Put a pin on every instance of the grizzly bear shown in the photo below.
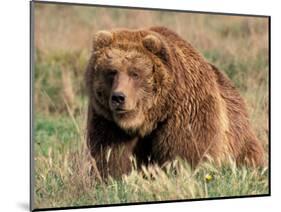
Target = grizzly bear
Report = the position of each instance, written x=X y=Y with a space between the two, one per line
x=153 y=97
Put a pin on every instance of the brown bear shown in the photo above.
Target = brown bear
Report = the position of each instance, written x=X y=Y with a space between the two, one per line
x=154 y=97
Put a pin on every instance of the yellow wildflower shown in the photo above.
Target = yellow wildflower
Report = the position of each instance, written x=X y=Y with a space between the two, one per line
x=208 y=177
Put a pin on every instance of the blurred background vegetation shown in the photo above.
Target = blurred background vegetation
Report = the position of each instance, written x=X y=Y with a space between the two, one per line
x=63 y=43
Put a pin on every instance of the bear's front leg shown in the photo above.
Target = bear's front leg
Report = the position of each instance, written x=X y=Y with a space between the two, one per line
x=111 y=148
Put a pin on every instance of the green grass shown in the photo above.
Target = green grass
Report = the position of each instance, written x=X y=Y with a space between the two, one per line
x=63 y=175
x=63 y=41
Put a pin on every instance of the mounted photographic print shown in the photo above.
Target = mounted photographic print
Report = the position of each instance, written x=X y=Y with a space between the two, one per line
x=139 y=105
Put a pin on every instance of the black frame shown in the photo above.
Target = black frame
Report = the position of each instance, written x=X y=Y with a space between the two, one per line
x=31 y=196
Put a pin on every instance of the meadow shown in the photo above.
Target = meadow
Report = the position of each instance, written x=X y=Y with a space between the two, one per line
x=62 y=45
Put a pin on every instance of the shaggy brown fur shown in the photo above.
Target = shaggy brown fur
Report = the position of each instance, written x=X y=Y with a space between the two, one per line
x=176 y=104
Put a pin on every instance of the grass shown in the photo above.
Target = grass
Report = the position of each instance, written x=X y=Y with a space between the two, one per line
x=63 y=175
x=63 y=34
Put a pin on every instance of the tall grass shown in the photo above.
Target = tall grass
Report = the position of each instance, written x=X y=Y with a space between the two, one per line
x=64 y=176
x=63 y=35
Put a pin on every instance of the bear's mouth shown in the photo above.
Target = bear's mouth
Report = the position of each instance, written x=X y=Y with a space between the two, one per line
x=121 y=111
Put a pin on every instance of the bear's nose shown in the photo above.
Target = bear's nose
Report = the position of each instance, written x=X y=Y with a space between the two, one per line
x=118 y=98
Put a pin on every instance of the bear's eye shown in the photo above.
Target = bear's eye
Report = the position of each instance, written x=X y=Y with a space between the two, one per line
x=111 y=73
x=134 y=75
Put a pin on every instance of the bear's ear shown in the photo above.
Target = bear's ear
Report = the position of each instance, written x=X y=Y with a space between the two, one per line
x=152 y=43
x=156 y=46
x=102 y=39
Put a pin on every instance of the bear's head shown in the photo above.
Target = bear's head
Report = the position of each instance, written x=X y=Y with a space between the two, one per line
x=128 y=77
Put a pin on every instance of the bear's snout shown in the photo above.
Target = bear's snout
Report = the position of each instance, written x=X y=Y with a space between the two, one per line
x=118 y=100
